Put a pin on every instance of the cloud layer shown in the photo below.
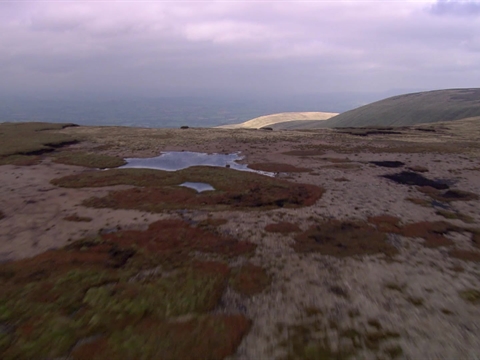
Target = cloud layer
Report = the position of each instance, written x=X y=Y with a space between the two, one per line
x=233 y=47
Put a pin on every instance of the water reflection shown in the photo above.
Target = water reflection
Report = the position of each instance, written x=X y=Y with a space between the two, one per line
x=178 y=160
x=200 y=187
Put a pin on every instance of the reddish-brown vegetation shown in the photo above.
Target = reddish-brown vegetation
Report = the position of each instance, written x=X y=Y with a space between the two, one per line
x=283 y=227
x=249 y=279
x=343 y=238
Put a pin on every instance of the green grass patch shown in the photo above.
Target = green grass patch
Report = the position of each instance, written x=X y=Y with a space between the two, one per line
x=31 y=138
x=455 y=216
x=89 y=160
x=470 y=295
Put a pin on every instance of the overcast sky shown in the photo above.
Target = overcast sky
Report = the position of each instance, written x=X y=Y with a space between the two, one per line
x=237 y=47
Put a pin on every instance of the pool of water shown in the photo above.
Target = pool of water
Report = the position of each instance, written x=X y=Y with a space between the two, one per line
x=178 y=160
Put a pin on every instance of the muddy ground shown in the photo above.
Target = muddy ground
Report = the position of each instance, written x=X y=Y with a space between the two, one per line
x=332 y=258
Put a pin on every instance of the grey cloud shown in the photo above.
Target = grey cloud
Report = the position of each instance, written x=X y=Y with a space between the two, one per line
x=456 y=8
x=194 y=47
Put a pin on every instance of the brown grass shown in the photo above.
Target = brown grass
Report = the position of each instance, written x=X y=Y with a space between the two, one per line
x=432 y=232
x=385 y=223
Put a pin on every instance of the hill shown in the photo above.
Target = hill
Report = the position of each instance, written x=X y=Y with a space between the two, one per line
x=404 y=110
x=272 y=119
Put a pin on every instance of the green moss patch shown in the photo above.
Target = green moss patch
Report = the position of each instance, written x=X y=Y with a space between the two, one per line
x=455 y=216
x=470 y=295
x=282 y=227
x=277 y=167
x=29 y=139
x=89 y=160
x=421 y=202
x=449 y=195
x=139 y=293
x=343 y=238
x=20 y=160
x=159 y=189
x=249 y=279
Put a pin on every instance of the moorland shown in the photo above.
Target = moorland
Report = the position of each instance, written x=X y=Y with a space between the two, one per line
x=364 y=244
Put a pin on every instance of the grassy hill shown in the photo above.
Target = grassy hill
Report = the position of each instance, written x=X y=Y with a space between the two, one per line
x=408 y=109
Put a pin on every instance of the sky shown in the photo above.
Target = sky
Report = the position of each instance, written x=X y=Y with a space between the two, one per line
x=170 y=48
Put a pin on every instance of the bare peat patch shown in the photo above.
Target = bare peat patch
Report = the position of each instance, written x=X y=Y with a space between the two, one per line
x=412 y=178
x=388 y=164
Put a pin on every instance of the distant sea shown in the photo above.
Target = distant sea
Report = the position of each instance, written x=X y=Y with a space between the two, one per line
x=168 y=112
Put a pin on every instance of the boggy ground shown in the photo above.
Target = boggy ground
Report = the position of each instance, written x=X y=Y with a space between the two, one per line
x=343 y=254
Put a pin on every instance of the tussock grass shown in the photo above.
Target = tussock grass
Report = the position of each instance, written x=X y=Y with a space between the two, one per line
x=32 y=138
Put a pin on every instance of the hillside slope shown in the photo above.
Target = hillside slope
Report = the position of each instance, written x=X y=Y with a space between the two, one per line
x=272 y=119
x=411 y=109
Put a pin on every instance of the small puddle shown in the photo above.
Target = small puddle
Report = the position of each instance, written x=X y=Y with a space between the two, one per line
x=178 y=160
x=200 y=187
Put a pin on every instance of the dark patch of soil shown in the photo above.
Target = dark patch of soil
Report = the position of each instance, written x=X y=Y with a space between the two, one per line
x=419 y=169
x=411 y=178
x=342 y=238
x=367 y=131
x=337 y=160
x=277 y=167
x=388 y=164
x=282 y=227
x=249 y=279
x=77 y=218
x=2 y=215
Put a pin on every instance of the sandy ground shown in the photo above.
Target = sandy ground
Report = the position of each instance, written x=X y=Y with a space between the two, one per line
x=415 y=296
